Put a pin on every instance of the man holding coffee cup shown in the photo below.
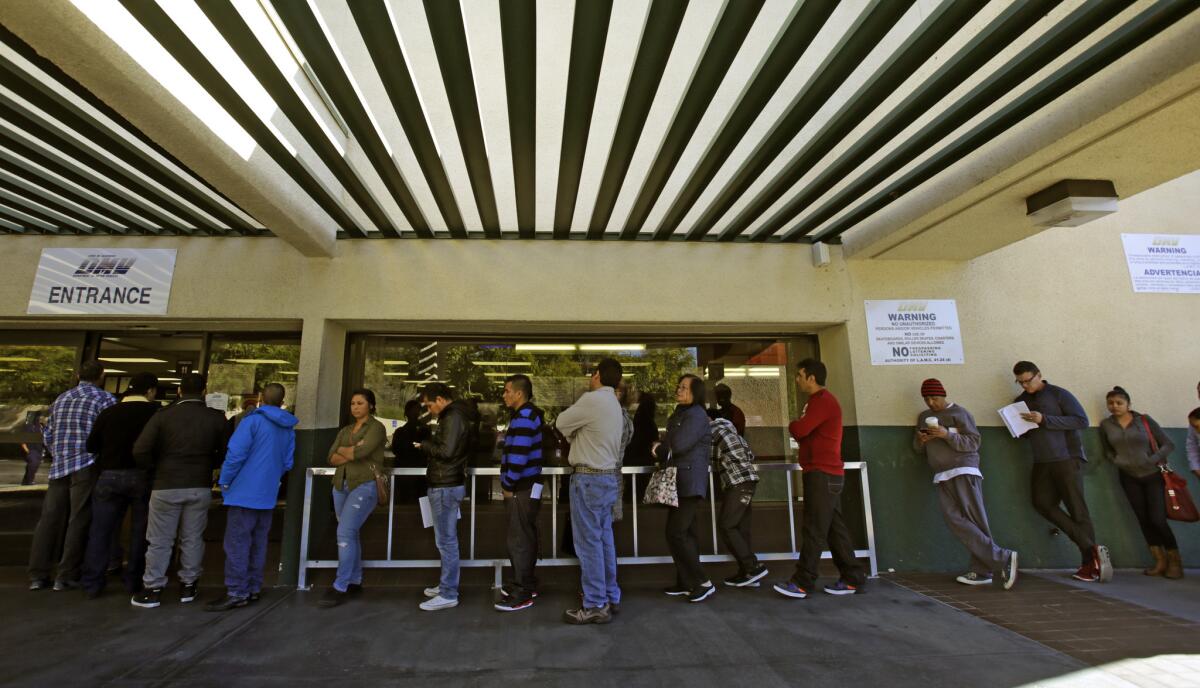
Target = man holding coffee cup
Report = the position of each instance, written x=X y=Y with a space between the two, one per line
x=947 y=436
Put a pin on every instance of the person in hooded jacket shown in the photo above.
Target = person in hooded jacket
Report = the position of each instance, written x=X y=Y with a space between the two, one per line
x=687 y=447
x=260 y=452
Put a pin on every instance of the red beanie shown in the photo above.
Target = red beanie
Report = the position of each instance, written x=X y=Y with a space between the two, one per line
x=932 y=388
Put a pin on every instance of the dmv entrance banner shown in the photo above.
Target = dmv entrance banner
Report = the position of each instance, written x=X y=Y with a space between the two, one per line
x=914 y=332
x=103 y=281
x=1163 y=263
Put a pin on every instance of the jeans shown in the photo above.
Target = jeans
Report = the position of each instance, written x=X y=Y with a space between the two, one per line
x=733 y=522
x=183 y=511
x=683 y=538
x=352 y=508
x=445 y=503
x=1148 y=502
x=33 y=459
x=66 y=508
x=823 y=523
x=115 y=492
x=592 y=498
x=523 y=540
x=245 y=549
x=1062 y=481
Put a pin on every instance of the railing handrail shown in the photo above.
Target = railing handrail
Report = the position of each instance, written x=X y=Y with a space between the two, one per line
x=568 y=470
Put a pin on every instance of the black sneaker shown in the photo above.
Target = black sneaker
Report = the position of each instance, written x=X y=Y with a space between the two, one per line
x=226 y=603
x=254 y=597
x=147 y=599
x=332 y=598
x=677 y=590
x=40 y=584
x=187 y=592
x=354 y=589
x=513 y=604
x=61 y=585
x=702 y=593
x=748 y=580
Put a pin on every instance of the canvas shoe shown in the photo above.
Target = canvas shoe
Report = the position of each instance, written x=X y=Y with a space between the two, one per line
x=1008 y=575
x=790 y=589
x=432 y=592
x=1104 y=569
x=147 y=599
x=40 y=584
x=841 y=588
x=972 y=578
x=433 y=604
x=588 y=615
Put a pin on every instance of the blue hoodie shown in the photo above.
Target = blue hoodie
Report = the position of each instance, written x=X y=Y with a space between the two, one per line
x=260 y=452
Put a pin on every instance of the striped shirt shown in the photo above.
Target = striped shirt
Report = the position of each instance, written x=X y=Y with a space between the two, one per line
x=731 y=455
x=71 y=417
x=521 y=463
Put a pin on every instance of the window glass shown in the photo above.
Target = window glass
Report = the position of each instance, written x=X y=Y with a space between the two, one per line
x=241 y=365
x=34 y=370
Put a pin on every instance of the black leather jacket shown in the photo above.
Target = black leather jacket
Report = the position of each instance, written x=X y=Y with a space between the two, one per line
x=450 y=446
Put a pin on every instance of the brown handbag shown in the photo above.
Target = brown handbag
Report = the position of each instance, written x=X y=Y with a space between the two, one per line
x=383 y=486
x=1180 y=505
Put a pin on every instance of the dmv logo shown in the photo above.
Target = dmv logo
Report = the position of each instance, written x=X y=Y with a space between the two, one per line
x=104 y=265
x=1166 y=241
x=919 y=307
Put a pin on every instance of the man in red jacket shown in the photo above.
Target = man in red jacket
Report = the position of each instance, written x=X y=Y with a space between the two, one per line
x=818 y=431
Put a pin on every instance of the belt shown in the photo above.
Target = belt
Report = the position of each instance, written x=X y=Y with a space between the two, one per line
x=596 y=471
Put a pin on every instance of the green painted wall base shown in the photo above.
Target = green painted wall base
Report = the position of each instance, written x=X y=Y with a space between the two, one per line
x=910 y=534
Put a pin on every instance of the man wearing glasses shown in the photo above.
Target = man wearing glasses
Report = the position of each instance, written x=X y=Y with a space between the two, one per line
x=1058 y=458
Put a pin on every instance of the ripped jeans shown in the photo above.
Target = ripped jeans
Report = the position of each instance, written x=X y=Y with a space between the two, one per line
x=352 y=507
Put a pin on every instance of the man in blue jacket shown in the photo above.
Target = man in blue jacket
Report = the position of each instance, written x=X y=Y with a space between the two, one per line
x=260 y=452
x=1057 y=475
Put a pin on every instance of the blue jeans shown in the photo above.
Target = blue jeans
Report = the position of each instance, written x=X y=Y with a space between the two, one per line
x=444 y=502
x=245 y=549
x=592 y=499
x=352 y=507
x=115 y=492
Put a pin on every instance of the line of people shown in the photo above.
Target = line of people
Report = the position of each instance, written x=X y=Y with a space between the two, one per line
x=156 y=463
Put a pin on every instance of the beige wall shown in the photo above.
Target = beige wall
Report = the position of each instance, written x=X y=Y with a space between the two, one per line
x=1061 y=299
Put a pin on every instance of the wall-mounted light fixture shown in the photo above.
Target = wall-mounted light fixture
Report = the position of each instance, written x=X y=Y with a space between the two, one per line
x=1072 y=202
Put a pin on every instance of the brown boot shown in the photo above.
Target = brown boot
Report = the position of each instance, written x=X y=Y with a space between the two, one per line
x=1160 y=561
x=1174 y=564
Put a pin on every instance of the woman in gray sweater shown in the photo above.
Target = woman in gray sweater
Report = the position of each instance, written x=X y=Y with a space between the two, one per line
x=1137 y=445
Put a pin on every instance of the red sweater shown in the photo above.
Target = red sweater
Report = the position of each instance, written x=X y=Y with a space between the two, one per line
x=819 y=434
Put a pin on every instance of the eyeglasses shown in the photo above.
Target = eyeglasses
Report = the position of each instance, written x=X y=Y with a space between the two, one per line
x=1027 y=381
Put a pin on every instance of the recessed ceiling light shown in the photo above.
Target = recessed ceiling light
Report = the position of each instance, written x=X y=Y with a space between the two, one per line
x=545 y=347
x=502 y=363
x=612 y=347
x=131 y=360
x=289 y=372
x=18 y=359
x=112 y=370
x=257 y=361
x=395 y=362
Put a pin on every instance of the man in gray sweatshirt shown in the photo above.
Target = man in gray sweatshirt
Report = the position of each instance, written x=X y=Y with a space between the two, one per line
x=947 y=436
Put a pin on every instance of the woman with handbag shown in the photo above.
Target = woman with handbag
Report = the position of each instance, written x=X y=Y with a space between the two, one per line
x=1138 y=446
x=357 y=453
x=687 y=447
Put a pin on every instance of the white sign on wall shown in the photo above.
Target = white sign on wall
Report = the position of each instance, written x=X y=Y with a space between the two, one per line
x=110 y=281
x=1163 y=263
x=914 y=332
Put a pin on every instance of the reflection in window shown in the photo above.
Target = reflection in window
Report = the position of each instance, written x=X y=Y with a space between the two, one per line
x=31 y=377
x=240 y=367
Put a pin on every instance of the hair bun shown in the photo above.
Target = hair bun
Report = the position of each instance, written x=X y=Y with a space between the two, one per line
x=1119 y=388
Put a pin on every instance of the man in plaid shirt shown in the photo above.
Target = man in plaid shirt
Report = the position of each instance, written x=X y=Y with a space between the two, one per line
x=734 y=463
x=67 y=505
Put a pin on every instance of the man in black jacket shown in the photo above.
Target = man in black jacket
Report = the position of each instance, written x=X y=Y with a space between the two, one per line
x=121 y=485
x=183 y=444
x=446 y=452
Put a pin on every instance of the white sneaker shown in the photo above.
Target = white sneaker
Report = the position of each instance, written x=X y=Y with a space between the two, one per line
x=433 y=592
x=972 y=578
x=438 y=602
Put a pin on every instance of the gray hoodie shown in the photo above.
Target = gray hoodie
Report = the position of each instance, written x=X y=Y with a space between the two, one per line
x=960 y=449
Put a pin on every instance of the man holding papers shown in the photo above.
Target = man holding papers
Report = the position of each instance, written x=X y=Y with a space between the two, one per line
x=947 y=436
x=1057 y=476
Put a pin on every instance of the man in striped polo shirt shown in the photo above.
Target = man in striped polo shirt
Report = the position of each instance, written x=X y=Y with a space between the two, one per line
x=520 y=479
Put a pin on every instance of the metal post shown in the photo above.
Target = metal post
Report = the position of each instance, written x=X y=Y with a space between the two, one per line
x=712 y=502
x=472 y=515
x=866 y=490
x=791 y=510
x=554 y=517
x=391 y=512
x=305 y=522
x=633 y=486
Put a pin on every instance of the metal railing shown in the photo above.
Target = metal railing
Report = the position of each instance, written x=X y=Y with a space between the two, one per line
x=555 y=559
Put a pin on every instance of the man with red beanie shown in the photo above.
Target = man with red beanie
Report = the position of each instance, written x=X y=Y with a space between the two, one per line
x=818 y=431
x=947 y=436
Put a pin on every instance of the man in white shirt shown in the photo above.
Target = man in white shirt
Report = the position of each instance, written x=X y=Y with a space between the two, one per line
x=593 y=425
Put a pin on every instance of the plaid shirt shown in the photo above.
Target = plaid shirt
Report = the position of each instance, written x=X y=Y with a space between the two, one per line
x=731 y=455
x=71 y=418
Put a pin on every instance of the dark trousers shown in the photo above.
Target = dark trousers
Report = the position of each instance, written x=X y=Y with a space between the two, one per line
x=33 y=459
x=683 y=538
x=115 y=493
x=1062 y=482
x=734 y=524
x=1149 y=504
x=245 y=549
x=67 y=509
x=523 y=513
x=823 y=523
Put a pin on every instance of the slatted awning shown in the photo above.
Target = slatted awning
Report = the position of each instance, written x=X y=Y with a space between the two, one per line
x=746 y=120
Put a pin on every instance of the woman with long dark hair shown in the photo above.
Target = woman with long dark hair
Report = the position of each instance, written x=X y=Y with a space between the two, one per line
x=687 y=447
x=357 y=453
x=1137 y=445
